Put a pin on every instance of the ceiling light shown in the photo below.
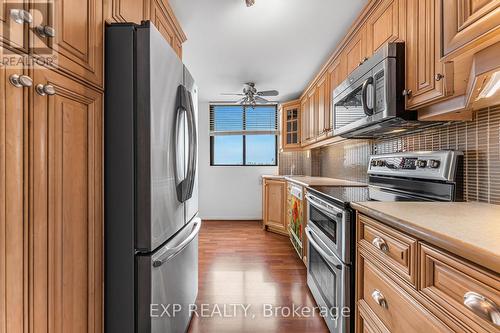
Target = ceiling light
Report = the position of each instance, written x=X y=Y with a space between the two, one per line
x=250 y=3
x=491 y=87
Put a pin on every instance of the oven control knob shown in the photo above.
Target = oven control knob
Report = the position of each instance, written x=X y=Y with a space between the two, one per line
x=374 y=163
x=421 y=163
x=380 y=163
x=434 y=164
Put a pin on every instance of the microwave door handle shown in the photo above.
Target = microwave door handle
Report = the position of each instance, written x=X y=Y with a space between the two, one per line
x=364 y=96
x=329 y=258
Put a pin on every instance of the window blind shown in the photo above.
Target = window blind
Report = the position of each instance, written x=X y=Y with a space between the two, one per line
x=243 y=120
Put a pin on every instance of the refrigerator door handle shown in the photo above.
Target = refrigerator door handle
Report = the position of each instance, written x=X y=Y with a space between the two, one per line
x=182 y=113
x=169 y=253
x=193 y=146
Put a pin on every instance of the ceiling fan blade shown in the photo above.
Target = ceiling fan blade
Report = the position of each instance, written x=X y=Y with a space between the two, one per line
x=230 y=94
x=261 y=100
x=268 y=93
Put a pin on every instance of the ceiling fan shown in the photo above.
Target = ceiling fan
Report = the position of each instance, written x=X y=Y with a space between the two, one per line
x=252 y=97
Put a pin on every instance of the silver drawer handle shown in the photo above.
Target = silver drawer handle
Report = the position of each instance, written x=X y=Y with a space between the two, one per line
x=20 y=80
x=483 y=307
x=379 y=298
x=21 y=16
x=380 y=244
x=45 y=89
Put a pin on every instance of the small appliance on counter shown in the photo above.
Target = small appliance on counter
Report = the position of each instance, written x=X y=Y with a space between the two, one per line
x=151 y=189
x=411 y=176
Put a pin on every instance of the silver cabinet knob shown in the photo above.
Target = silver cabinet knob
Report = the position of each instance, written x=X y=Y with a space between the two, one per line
x=438 y=76
x=379 y=298
x=407 y=92
x=45 y=31
x=483 y=307
x=20 y=80
x=21 y=16
x=380 y=244
x=45 y=89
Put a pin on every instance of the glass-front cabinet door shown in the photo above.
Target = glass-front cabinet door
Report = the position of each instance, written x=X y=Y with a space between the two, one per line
x=290 y=127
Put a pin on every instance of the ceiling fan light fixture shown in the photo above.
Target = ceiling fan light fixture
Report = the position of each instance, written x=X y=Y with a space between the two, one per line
x=250 y=3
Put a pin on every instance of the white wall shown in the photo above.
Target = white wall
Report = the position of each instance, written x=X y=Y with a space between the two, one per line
x=227 y=193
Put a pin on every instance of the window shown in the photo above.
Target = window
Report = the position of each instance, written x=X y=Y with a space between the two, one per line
x=243 y=135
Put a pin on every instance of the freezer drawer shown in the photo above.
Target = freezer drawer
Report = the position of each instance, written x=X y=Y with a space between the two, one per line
x=167 y=283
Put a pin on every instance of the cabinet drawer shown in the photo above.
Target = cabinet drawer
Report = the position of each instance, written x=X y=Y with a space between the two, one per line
x=450 y=282
x=392 y=247
x=392 y=305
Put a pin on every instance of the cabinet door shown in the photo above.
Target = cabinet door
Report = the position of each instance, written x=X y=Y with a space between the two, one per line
x=427 y=78
x=78 y=40
x=13 y=34
x=354 y=53
x=385 y=25
x=275 y=204
x=165 y=26
x=291 y=126
x=469 y=23
x=13 y=222
x=323 y=102
x=126 y=10
x=66 y=209
x=304 y=124
x=313 y=115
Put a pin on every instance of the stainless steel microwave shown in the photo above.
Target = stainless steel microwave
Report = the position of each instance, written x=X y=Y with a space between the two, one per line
x=370 y=102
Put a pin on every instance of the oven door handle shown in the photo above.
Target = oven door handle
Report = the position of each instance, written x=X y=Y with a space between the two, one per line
x=330 y=258
x=364 y=94
x=328 y=210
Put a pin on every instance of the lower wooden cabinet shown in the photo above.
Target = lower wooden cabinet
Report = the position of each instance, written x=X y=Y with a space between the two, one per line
x=66 y=208
x=452 y=294
x=274 y=206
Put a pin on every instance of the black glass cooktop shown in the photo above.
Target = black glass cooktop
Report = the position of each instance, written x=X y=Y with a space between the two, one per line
x=343 y=195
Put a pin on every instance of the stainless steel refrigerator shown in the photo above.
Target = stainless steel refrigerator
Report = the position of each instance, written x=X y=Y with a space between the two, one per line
x=151 y=183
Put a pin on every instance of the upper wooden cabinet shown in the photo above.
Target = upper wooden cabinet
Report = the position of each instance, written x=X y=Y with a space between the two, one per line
x=386 y=24
x=162 y=18
x=304 y=120
x=14 y=34
x=428 y=79
x=66 y=206
x=354 y=53
x=78 y=37
x=323 y=100
x=290 y=117
x=126 y=10
x=469 y=23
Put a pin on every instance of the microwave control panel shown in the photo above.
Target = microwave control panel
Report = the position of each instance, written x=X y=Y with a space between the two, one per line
x=379 y=92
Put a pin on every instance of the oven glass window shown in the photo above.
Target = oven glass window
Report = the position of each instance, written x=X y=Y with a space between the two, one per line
x=325 y=278
x=325 y=223
x=349 y=109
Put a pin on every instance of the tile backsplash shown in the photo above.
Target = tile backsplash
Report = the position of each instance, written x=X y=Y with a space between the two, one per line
x=478 y=139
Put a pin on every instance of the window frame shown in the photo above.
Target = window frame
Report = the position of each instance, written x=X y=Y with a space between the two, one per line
x=244 y=163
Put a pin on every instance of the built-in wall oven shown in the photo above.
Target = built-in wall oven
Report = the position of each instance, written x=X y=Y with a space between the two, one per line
x=329 y=270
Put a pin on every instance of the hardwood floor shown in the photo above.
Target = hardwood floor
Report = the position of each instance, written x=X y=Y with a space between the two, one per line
x=242 y=264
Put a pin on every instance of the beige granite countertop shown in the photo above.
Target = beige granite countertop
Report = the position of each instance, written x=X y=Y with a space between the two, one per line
x=468 y=229
x=315 y=181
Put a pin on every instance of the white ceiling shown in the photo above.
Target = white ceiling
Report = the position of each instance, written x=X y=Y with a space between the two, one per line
x=278 y=44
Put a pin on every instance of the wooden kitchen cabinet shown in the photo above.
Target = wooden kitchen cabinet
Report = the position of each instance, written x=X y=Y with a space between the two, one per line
x=290 y=125
x=13 y=221
x=78 y=40
x=66 y=209
x=469 y=24
x=163 y=19
x=274 y=206
x=428 y=79
x=355 y=53
x=385 y=25
x=323 y=108
x=14 y=35
x=126 y=10
x=405 y=285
